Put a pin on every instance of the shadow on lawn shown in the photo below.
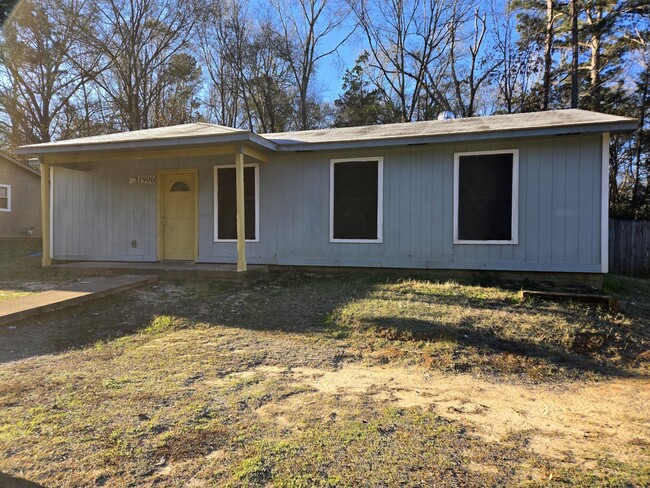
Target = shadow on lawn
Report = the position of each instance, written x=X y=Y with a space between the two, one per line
x=7 y=481
x=290 y=306
x=490 y=346
x=293 y=305
x=73 y=328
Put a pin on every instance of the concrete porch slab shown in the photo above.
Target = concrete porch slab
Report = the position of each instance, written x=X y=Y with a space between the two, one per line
x=167 y=269
x=66 y=296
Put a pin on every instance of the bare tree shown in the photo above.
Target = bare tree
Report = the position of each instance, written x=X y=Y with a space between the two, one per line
x=643 y=48
x=251 y=81
x=178 y=101
x=137 y=39
x=470 y=66
x=38 y=75
x=222 y=35
x=304 y=25
x=405 y=39
x=514 y=72
x=268 y=82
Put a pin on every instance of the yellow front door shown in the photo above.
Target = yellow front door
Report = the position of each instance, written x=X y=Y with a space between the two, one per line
x=178 y=215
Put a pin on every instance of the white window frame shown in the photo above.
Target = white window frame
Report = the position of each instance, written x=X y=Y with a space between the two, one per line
x=380 y=200
x=8 y=209
x=515 y=195
x=216 y=201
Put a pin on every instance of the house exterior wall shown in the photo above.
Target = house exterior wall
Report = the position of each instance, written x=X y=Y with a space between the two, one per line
x=97 y=214
x=25 y=202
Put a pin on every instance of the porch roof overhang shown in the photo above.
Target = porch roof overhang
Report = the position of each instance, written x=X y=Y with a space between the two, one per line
x=183 y=140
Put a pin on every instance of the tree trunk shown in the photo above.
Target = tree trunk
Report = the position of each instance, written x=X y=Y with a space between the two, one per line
x=574 y=54
x=639 y=146
x=595 y=17
x=548 y=51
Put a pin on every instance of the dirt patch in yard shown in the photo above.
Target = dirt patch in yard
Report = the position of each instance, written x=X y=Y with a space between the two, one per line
x=569 y=421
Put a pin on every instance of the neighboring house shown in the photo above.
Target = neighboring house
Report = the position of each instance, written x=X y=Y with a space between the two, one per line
x=20 y=199
x=525 y=192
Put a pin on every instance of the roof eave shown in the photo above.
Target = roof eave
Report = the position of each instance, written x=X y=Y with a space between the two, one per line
x=615 y=127
x=20 y=165
x=238 y=138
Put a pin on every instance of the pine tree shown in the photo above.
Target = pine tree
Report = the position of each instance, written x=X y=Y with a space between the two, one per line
x=360 y=105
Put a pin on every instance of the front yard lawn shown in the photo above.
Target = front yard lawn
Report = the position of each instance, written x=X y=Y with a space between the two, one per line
x=329 y=381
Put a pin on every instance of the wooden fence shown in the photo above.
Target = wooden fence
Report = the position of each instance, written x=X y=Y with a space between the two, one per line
x=629 y=247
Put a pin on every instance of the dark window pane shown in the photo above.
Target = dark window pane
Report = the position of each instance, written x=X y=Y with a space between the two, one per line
x=227 y=203
x=485 y=197
x=355 y=200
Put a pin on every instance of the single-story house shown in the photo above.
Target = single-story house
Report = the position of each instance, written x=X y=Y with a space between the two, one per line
x=524 y=192
x=20 y=200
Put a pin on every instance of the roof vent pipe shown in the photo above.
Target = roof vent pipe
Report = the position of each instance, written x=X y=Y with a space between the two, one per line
x=446 y=115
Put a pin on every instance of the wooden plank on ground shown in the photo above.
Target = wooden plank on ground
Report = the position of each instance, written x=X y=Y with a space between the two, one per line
x=604 y=301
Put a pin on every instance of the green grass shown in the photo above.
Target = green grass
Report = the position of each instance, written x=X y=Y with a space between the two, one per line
x=9 y=294
x=489 y=330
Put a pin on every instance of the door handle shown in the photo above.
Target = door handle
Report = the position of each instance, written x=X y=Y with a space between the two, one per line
x=163 y=221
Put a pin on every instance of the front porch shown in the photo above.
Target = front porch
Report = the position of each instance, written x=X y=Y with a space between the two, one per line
x=176 y=236
x=168 y=269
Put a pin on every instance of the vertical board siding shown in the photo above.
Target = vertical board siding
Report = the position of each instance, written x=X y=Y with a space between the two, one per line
x=558 y=226
x=530 y=204
x=98 y=213
x=545 y=202
x=572 y=200
x=586 y=202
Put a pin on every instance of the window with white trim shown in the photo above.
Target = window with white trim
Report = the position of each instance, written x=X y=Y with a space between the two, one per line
x=356 y=188
x=5 y=198
x=486 y=197
x=225 y=203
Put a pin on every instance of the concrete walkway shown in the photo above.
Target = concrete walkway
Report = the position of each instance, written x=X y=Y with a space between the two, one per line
x=73 y=294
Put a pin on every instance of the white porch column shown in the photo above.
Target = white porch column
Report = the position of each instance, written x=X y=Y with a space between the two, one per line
x=45 y=213
x=241 y=221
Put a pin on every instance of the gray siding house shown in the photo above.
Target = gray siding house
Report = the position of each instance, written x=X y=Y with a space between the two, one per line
x=524 y=192
x=20 y=200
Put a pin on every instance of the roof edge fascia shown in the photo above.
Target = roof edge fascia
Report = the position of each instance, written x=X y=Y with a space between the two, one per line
x=599 y=128
x=179 y=142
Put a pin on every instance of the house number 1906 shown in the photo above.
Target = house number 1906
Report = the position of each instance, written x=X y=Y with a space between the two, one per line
x=142 y=179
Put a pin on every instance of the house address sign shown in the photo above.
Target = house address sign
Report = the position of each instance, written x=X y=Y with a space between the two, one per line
x=142 y=179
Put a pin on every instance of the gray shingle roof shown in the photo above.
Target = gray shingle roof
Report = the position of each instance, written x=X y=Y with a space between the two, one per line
x=475 y=128
x=557 y=119
x=198 y=129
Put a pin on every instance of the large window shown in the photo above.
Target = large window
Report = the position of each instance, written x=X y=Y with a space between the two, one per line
x=485 y=197
x=5 y=198
x=225 y=203
x=356 y=200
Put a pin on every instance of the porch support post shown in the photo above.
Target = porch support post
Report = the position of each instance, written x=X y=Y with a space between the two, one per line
x=45 y=213
x=241 y=221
